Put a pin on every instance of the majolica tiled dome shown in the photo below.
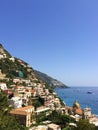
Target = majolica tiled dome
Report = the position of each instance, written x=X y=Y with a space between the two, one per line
x=76 y=105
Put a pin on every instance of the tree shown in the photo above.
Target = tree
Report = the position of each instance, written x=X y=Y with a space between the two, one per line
x=60 y=119
x=7 y=122
x=84 y=125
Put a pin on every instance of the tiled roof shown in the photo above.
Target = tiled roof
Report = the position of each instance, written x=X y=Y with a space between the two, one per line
x=24 y=108
x=33 y=90
x=17 y=112
x=79 y=111
x=21 y=110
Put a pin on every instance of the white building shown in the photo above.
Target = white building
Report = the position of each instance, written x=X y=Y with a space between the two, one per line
x=40 y=127
x=16 y=102
x=1 y=56
x=87 y=112
x=47 y=110
x=54 y=127
x=12 y=59
x=3 y=86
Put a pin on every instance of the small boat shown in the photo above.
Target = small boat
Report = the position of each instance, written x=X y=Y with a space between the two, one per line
x=89 y=92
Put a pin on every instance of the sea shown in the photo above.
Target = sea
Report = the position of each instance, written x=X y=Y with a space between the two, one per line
x=86 y=97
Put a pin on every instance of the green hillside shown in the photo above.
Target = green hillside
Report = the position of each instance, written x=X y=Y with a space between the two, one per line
x=14 y=67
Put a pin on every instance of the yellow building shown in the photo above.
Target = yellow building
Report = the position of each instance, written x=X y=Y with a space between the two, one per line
x=23 y=115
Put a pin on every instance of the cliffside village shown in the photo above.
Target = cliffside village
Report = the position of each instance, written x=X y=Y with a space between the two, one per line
x=19 y=98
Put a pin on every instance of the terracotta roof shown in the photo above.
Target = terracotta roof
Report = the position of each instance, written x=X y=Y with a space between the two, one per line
x=79 y=111
x=20 y=61
x=67 y=108
x=24 y=108
x=26 y=90
x=21 y=111
x=33 y=90
x=17 y=112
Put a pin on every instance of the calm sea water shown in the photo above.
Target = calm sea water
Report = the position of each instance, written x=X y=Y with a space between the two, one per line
x=69 y=95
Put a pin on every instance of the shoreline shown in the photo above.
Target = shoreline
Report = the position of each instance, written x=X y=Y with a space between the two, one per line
x=69 y=99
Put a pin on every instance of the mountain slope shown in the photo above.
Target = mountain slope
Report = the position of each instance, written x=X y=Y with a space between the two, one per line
x=4 y=52
x=49 y=80
x=11 y=67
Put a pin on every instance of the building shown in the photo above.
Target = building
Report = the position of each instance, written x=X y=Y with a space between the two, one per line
x=16 y=80
x=40 y=127
x=77 y=109
x=23 y=115
x=54 y=127
x=76 y=105
x=94 y=120
x=79 y=112
x=16 y=102
x=12 y=59
x=42 y=109
x=87 y=113
x=57 y=102
x=2 y=56
x=3 y=86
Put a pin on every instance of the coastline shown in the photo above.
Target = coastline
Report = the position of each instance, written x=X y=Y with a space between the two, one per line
x=79 y=93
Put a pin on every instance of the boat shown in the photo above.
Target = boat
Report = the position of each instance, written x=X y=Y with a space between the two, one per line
x=89 y=92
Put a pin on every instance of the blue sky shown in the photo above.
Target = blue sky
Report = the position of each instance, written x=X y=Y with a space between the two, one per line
x=57 y=37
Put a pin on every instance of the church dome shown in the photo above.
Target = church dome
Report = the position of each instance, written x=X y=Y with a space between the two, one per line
x=76 y=105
